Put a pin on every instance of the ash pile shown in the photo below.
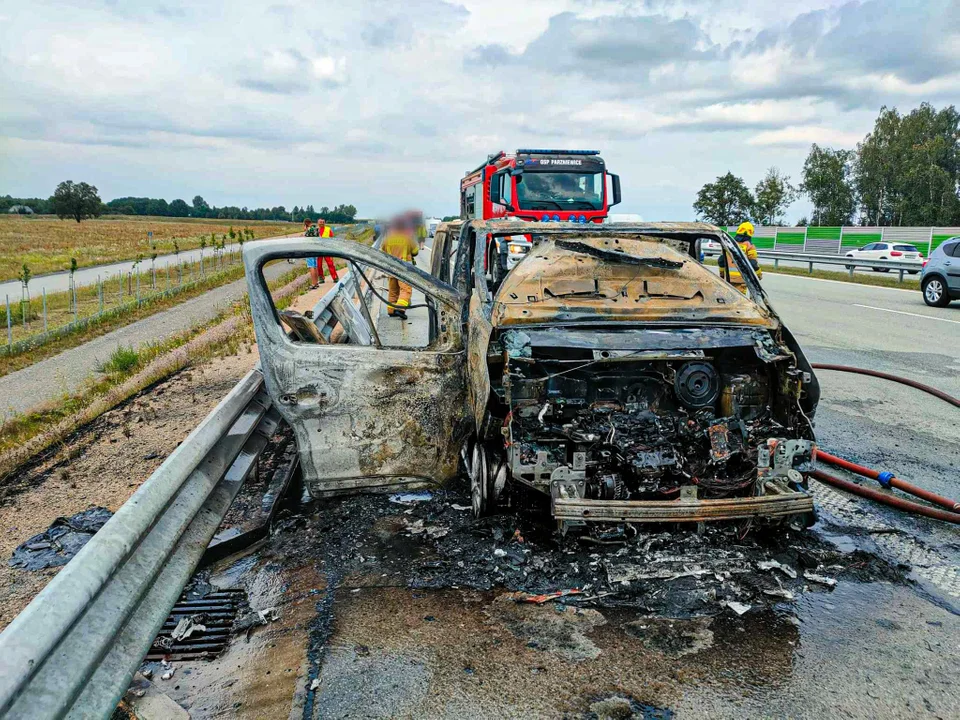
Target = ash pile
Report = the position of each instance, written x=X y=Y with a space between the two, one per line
x=431 y=541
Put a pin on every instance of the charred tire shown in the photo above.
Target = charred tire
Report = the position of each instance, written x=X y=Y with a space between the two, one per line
x=497 y=273
x=482 y=497
x=934 y=290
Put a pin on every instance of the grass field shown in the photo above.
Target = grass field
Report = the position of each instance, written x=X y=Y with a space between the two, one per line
x=46 y=244
x=118 y=305
x=120 y=309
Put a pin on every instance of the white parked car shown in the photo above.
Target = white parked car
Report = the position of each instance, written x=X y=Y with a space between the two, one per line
x=710 y=247
x=900 y=252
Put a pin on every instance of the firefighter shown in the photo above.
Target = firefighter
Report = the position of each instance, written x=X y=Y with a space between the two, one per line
x=401 y=242
x=744 y=239
x=316 y=269
x=325 y=232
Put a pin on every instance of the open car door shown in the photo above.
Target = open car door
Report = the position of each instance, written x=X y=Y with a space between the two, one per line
x=370 y=410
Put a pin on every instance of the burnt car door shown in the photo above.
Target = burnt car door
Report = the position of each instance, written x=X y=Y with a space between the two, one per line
x=367 y=413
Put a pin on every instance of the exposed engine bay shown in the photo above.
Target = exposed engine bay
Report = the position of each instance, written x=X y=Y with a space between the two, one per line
x=661 y=415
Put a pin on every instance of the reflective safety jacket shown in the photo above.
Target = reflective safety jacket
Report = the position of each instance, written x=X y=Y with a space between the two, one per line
x=750 y=250
x=401 y=246
x=313 y=231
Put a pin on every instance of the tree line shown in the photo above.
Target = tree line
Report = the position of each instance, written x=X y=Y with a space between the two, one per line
x=905 y=172
x=79 y=201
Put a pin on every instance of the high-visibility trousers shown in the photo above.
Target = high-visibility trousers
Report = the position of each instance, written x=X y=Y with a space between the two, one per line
x=399 y=295
x=330 y=267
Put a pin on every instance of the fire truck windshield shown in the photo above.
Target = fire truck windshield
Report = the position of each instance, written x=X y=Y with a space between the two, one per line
x=560 y=191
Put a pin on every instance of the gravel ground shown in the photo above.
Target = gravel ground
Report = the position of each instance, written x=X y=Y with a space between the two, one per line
x=86 y=469
x=50 y=379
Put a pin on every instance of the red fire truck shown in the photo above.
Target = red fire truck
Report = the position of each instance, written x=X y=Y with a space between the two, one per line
x=540 y=185
x=536 y=185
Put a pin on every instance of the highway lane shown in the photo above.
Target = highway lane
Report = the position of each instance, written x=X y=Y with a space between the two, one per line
x=862 y=323
x=882 y=424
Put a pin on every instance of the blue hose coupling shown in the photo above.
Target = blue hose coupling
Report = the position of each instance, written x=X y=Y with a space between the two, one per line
x=884 y=478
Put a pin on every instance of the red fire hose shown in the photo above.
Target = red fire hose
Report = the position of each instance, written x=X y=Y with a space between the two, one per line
x=888 y=479
x=880 y=497
x=894 y=378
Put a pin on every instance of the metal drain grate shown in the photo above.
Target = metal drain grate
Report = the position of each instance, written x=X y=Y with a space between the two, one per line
x=204 y=626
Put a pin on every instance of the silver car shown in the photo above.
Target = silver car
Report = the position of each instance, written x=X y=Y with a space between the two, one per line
x=940 y=280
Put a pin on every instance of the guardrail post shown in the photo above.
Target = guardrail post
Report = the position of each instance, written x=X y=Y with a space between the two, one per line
x=901 y=276
x=852 y=268
x=776 y=263
x=811 y=267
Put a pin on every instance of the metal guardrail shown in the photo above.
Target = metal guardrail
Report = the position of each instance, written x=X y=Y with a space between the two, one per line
x=73 y=651
x=849 y=263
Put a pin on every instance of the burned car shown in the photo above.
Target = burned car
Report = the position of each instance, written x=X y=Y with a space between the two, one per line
x=609 y=371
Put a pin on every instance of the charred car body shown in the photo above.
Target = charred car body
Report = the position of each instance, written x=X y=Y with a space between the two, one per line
x=609 y=370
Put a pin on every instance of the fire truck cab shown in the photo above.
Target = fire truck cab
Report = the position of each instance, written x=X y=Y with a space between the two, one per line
x=536 y=185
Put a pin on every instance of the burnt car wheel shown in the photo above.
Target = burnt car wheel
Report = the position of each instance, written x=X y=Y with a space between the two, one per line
x=481 y=498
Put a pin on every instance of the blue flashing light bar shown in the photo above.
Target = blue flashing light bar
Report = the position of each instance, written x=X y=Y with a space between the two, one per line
x=541 y=151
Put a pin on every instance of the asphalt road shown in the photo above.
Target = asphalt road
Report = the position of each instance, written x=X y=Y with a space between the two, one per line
x=868 y=650
x=377 y=647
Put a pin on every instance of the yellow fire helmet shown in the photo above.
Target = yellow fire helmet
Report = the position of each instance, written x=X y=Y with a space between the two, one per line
x=746 y=228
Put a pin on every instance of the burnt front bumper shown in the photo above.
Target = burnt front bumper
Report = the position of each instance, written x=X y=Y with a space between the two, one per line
x=682 y=510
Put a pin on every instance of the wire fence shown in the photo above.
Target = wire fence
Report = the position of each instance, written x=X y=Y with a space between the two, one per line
x=33 y=319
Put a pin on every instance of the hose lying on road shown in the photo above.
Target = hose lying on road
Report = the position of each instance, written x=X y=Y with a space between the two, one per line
x=888 y=479
x=881 y=497
x=894 y=378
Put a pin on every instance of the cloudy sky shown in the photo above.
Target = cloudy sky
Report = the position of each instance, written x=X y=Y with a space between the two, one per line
x=385 y=104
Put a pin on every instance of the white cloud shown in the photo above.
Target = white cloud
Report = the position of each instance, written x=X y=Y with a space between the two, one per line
x=804 y=136
x=379 y=104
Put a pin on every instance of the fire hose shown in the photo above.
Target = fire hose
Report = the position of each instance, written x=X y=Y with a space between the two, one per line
x=888 y=480
x=884 y=498
x=885 y=478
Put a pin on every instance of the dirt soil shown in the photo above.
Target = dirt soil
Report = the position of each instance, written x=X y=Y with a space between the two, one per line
x=104 y=463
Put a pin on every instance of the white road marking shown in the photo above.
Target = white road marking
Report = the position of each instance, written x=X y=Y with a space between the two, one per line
x=901 y=312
